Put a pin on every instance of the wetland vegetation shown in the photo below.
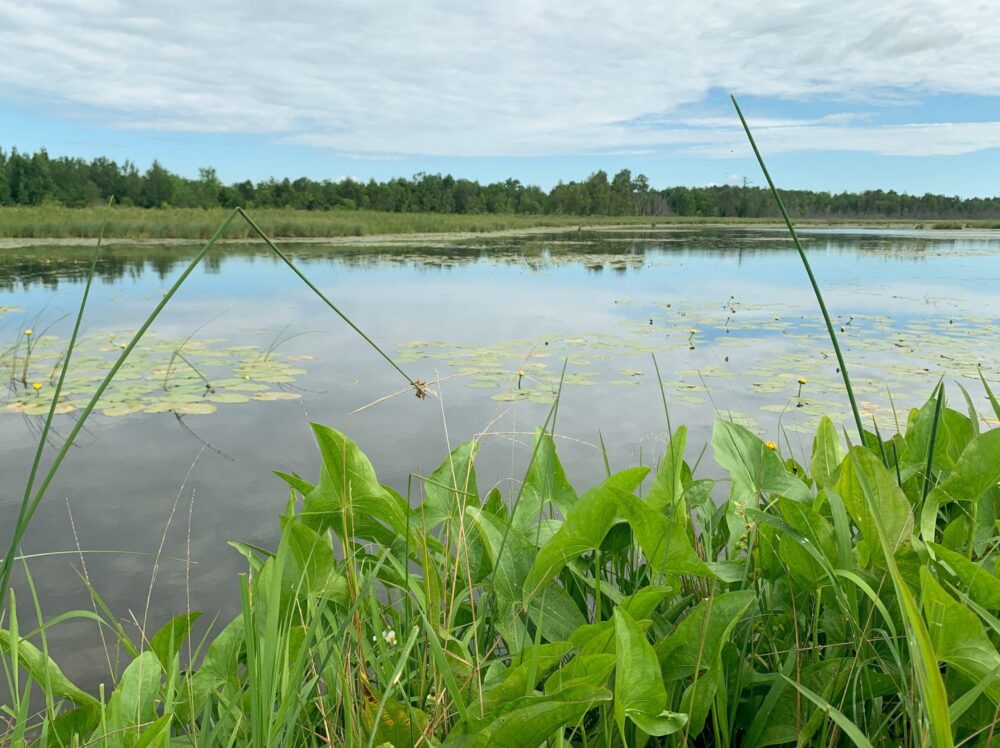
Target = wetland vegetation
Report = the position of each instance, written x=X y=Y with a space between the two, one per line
x=811 y=568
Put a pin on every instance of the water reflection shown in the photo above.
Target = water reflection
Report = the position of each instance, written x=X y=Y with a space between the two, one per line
x=603 y=301
x=49 y=266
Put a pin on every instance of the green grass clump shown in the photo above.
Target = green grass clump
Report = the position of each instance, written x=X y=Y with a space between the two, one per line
x=56 y=222
x=805 y=606
x=194 y=224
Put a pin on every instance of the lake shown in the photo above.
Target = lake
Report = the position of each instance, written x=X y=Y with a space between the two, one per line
x=222 y=390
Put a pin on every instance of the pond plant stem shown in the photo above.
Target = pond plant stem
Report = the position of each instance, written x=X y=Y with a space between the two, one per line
x=809 y=272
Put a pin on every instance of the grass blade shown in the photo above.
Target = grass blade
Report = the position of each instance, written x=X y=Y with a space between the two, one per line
x=809 y=272
x=849 y=728
x=25 y=511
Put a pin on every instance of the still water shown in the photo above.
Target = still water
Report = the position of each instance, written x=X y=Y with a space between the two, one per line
x=222 y=390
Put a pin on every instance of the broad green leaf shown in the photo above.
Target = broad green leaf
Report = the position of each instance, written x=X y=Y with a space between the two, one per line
x=44 y=670
x=529 y=720
x=668 y=485
x=664 y=542
x=664 y=723
x=218 y=670
x=515 y=554
x=349 y=493
x=167 y=642
x=452 y=485
x=583 y=529
x=311 y=570
x=495 y=505
x=976 y=471
x=983 y=586
x=555 y=613
x=954 y=431
x=599 y=638
x=132 y=706
x=753 y=468
x=300 y=485
x=698 y=640
x=638 y=683
x=815 y=530
x=827 y=454
x=527 y=668
x=583 y=669
x=74 y=724
x=958 y=636
x=887 y=499
x=544 y=483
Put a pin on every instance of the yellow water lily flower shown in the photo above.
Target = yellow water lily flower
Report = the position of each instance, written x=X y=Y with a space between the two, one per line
x=28 y=332
x=771 y=445
x=692 y=331
x=520 y=372
x=802 y=380
x=37 y=386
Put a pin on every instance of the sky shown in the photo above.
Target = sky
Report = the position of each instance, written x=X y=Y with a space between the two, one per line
x=844 y=95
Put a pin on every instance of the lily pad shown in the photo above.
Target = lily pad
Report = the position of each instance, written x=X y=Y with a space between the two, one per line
x=271 y=396
x=189 y=376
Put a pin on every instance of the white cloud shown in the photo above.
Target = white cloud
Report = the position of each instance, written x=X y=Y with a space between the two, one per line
x=513 y=78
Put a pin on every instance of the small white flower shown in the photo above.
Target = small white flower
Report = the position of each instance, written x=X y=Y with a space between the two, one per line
x=390 y=637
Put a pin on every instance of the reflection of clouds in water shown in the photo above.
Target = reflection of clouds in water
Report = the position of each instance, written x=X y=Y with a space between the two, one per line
x=486 y=309
x=595 y=248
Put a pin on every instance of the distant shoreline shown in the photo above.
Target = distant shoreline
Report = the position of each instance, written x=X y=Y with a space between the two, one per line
x=27 y=227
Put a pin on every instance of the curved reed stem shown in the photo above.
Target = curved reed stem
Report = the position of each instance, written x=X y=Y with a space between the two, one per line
x=809 y=272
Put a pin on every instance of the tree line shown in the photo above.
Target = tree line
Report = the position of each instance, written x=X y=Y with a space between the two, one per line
x=37 y=179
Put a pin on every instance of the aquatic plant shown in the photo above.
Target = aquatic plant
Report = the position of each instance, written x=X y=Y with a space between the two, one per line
x=809 y=604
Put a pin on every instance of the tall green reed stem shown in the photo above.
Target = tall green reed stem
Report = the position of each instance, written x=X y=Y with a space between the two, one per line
x=29 y=502
x=26 y=510
x=267 y=240
x=809 y=272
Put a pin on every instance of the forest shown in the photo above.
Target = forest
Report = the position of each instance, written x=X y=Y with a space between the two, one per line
x=38 y=179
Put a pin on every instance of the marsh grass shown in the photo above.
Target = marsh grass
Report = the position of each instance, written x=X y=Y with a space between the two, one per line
x=193 y=224
x=54 y=222
x=847 y=595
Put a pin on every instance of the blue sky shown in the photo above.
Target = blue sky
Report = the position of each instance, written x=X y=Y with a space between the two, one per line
x=845 y=96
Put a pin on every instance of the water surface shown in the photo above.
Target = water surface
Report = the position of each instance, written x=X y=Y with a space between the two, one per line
x=913 y=306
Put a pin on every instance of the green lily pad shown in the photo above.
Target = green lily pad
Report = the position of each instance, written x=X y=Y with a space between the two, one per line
x=227 y=397
x=271 y=396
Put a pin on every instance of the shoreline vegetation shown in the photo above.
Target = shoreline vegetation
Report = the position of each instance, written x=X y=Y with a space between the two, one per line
x=28 y=225
x=808 y=606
